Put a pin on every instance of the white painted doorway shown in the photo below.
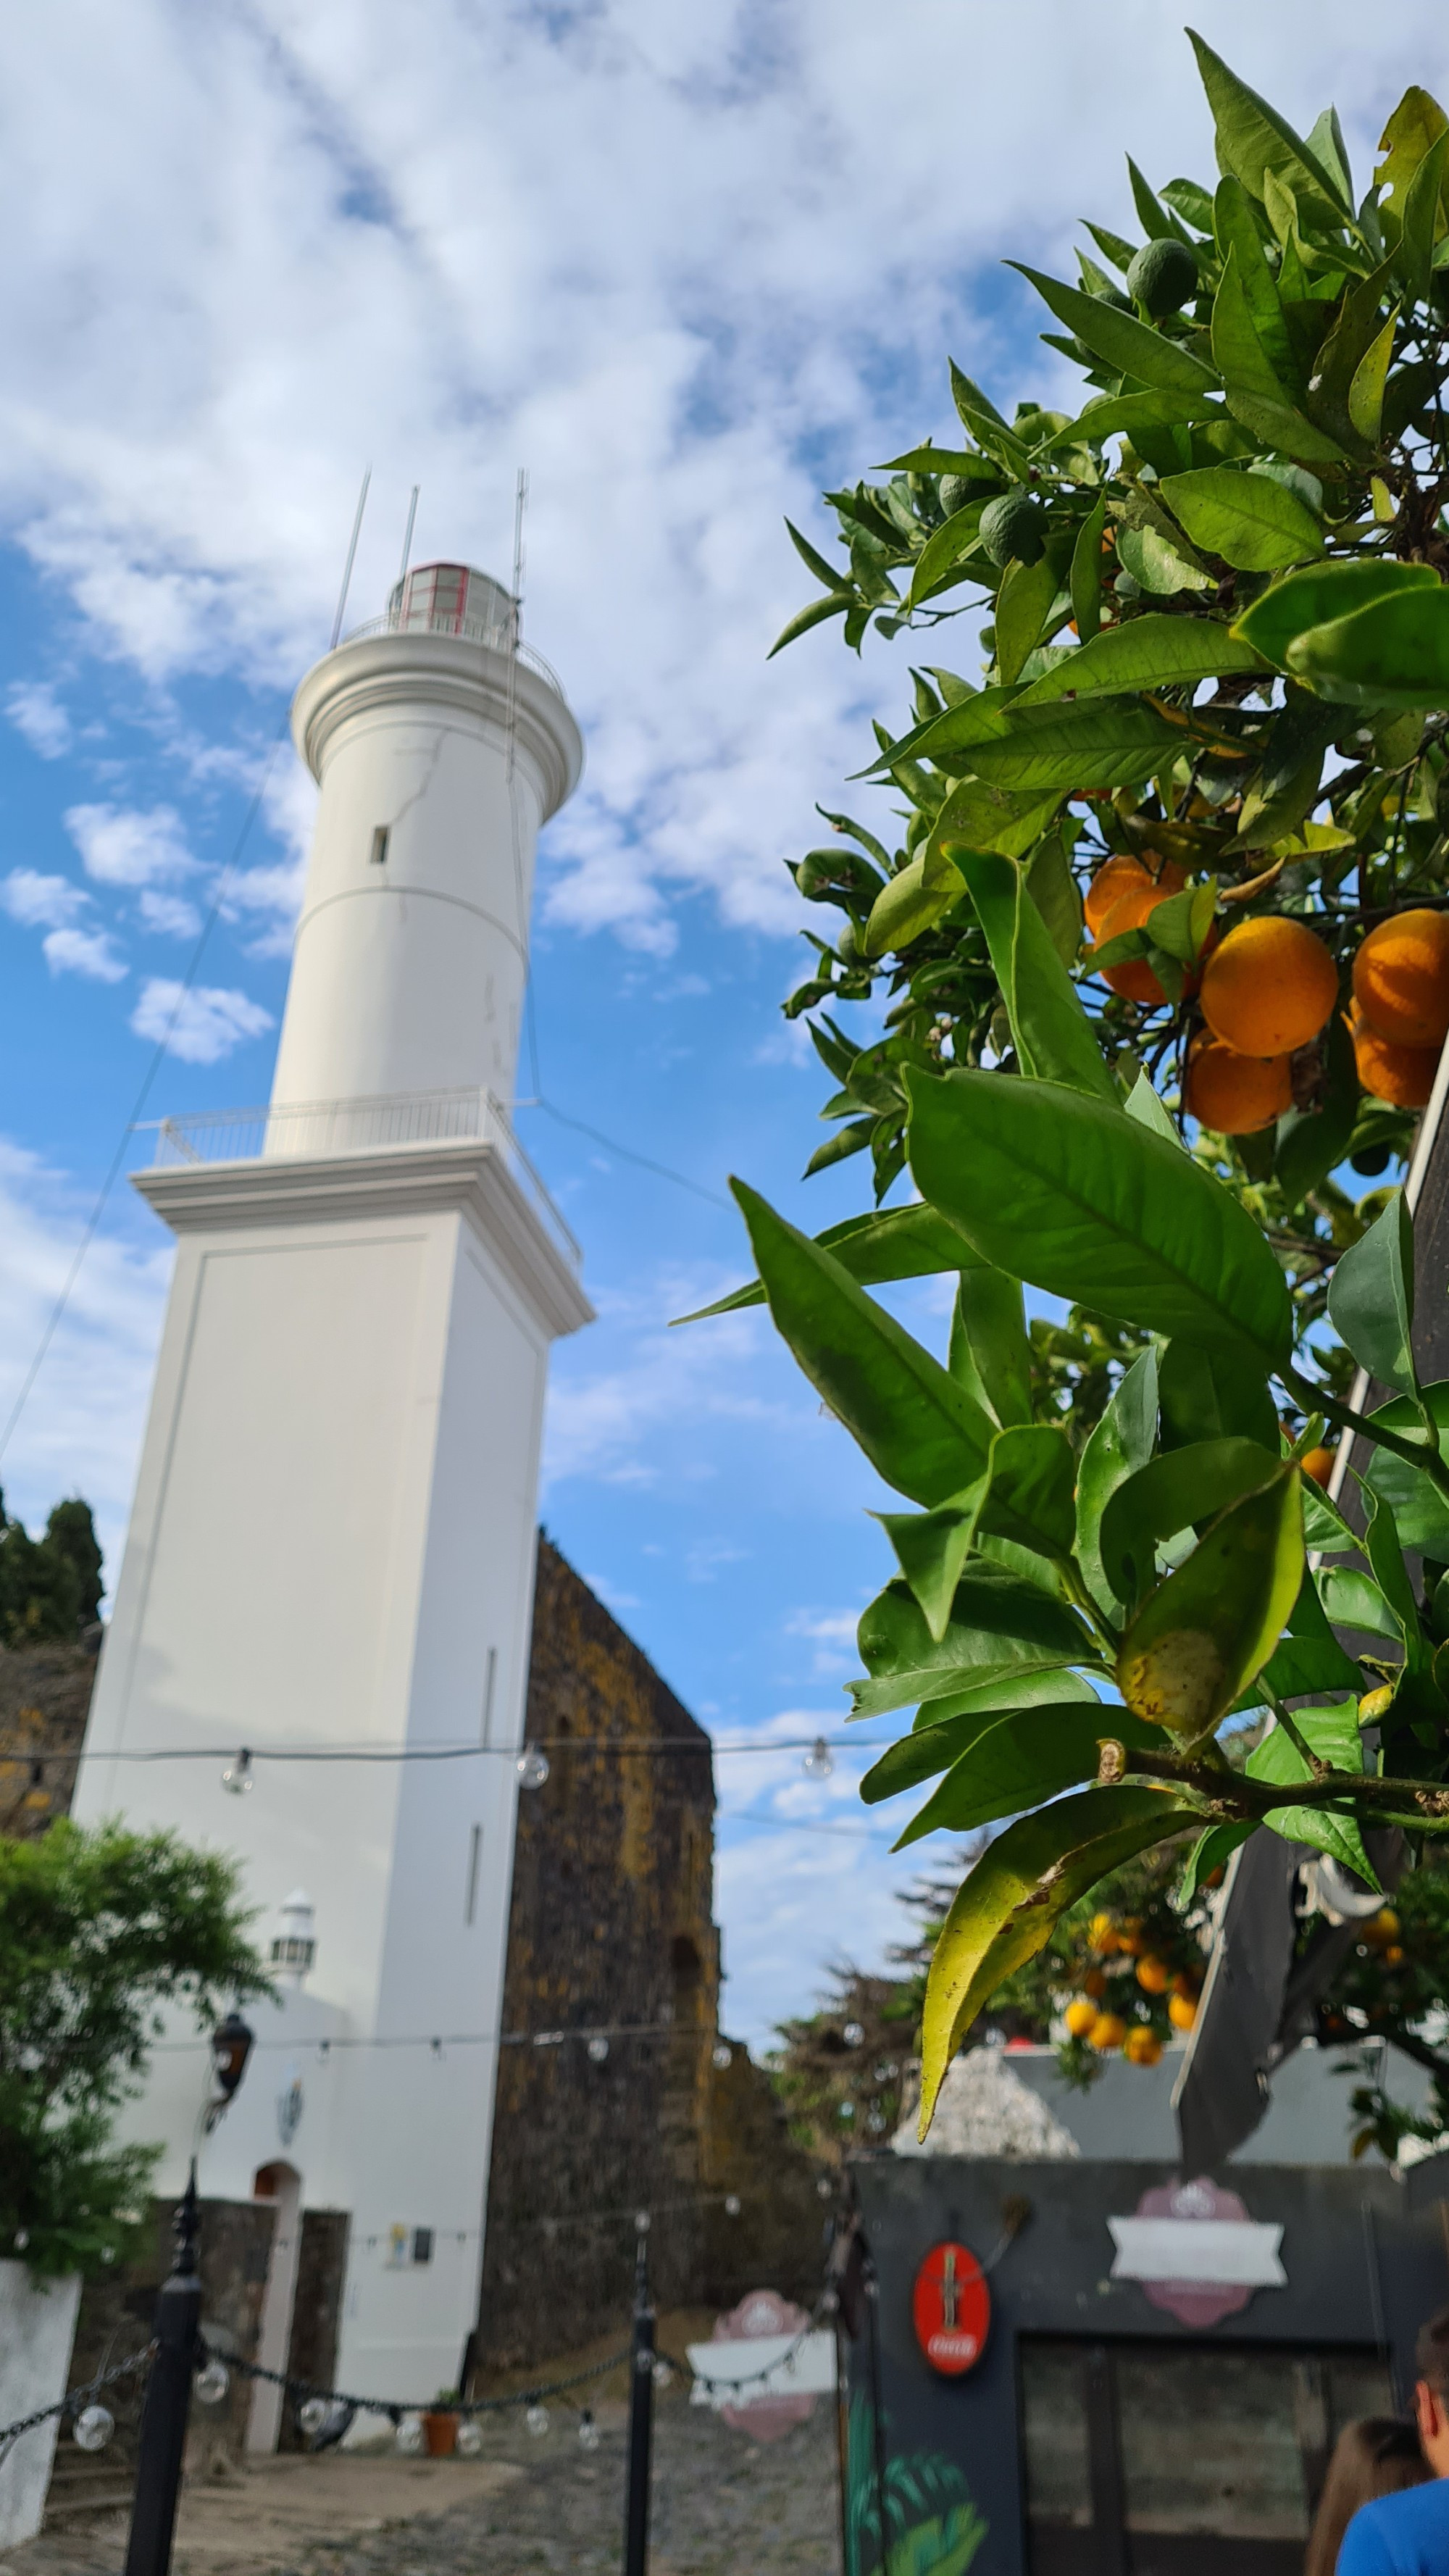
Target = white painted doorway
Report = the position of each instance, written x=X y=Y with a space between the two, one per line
x=282 y=2185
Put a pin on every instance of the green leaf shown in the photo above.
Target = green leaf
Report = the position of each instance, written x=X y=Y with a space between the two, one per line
x=977 y=817
x=1332 y=1734
x=1384 y=1550
x=1394 y=653
x=853 y=1138
x=990 y=1353
x=1016 y=1761
x=929 y=459
x=1085 y=579
x=1056 y=894
x=1322 y=593
x=1252 y=139
x=1013 y=1896
x=908 y=906
x=1001 y=1628
x=1086 y=1204
x=919 y=1429
x=1354 y=1601
x=1324 y=1527
x=1120 y=1444
x=1144 y=1105
x=1129 y=347
x=1213 y=1850
x=1025 y=1496
x=1156 y=565
x=933 y=1745
x=1236 y=228
x=1151 y=651
x=889 y=1243
x=1130 y=415
x=1371 y=1300
x=942 y=558
x=1175 y=1492
x=1207 y=1394
x=1181 y=922
x=1366 y=391
x=1105 y=743
x=1412 y=131
x=1424 y=221
x=1022 y=605
x=813 y=614
x=1208 y=1629
x=1249 y=519
x=830 y=574
x=1421 y=1512
x=977 y=719
x=1052 y=1034
x=1255 y=394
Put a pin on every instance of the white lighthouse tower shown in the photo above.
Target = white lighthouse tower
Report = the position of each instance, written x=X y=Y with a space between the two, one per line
x=331 y=1547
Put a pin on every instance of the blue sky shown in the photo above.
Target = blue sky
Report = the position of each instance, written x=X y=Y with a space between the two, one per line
x=685 y=267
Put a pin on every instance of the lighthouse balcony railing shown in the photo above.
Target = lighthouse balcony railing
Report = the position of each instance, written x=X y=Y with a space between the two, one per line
x=329 y=1129
x=498 y=638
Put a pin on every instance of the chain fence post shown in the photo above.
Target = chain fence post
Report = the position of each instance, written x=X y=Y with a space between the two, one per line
x=168 y=2400
x=641 y=2412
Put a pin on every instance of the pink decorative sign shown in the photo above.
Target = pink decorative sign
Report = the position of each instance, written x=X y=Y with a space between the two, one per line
x=763 y=2315
x=1196 y=2252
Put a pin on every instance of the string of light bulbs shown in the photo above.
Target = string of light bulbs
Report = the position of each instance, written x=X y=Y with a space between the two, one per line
x=530 y=1761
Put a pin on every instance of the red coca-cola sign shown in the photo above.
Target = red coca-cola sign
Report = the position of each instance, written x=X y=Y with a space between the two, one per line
x=951 y=2306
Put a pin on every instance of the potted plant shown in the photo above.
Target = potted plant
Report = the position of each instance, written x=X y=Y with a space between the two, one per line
x=440 y=2424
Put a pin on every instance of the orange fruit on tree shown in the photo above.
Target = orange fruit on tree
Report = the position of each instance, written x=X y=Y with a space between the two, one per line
x=1184 y=1983
x=1269 y=986
x=1235 y=1094
x=1393 y=1956
x=1094 y=1983
x=1402 y=1075
x=1130 y=1937
x=1107 y=2032
x=1102 y=1934
x=1153 y=1975
x=1129 y=910
x=1401 y=978
x=1121 y=876
x=1318 y=1463
x=1079 y=2016
x=1382 y=1927
x=1142 y=2047
x=1182 y=2011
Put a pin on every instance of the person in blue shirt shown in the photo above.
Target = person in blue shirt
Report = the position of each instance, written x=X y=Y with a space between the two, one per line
x=1408 y=2534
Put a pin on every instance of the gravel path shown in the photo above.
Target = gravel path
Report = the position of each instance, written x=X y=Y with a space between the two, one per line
x=723 y=2505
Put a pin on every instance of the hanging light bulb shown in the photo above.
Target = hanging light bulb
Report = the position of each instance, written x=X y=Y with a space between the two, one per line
x=732 y=2204
x=663 y=2376
x=237 y=1777
x=410 y=2435
x=598 y=2048
x=536 y=2419
x=312 y=2417
x=722 y=2055
x=532 y=1767
x=212 y=2382
x=468 y=2440
x=93 y=2428
x=819 y=1762
x=588 y=2432
x=853 y=2034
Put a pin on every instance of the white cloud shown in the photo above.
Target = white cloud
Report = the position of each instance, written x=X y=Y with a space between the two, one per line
x=35 y=711
x=200 y=1026
x=91 y=953
x=122 y=848
x=169 y=914
x=660 y=256
x=41 y=902
x=607 y=1424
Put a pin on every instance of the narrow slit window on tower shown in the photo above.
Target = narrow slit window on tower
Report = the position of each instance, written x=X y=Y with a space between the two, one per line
x=489 y=1680
x=475 y=1858
x=380 y=840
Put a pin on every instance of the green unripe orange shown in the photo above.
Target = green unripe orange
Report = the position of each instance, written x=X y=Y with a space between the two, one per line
x=1012 y=530
x=1162 y=277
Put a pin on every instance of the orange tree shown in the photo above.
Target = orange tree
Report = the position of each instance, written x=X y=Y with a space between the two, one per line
x=1251 y=503
x=1197 y=730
